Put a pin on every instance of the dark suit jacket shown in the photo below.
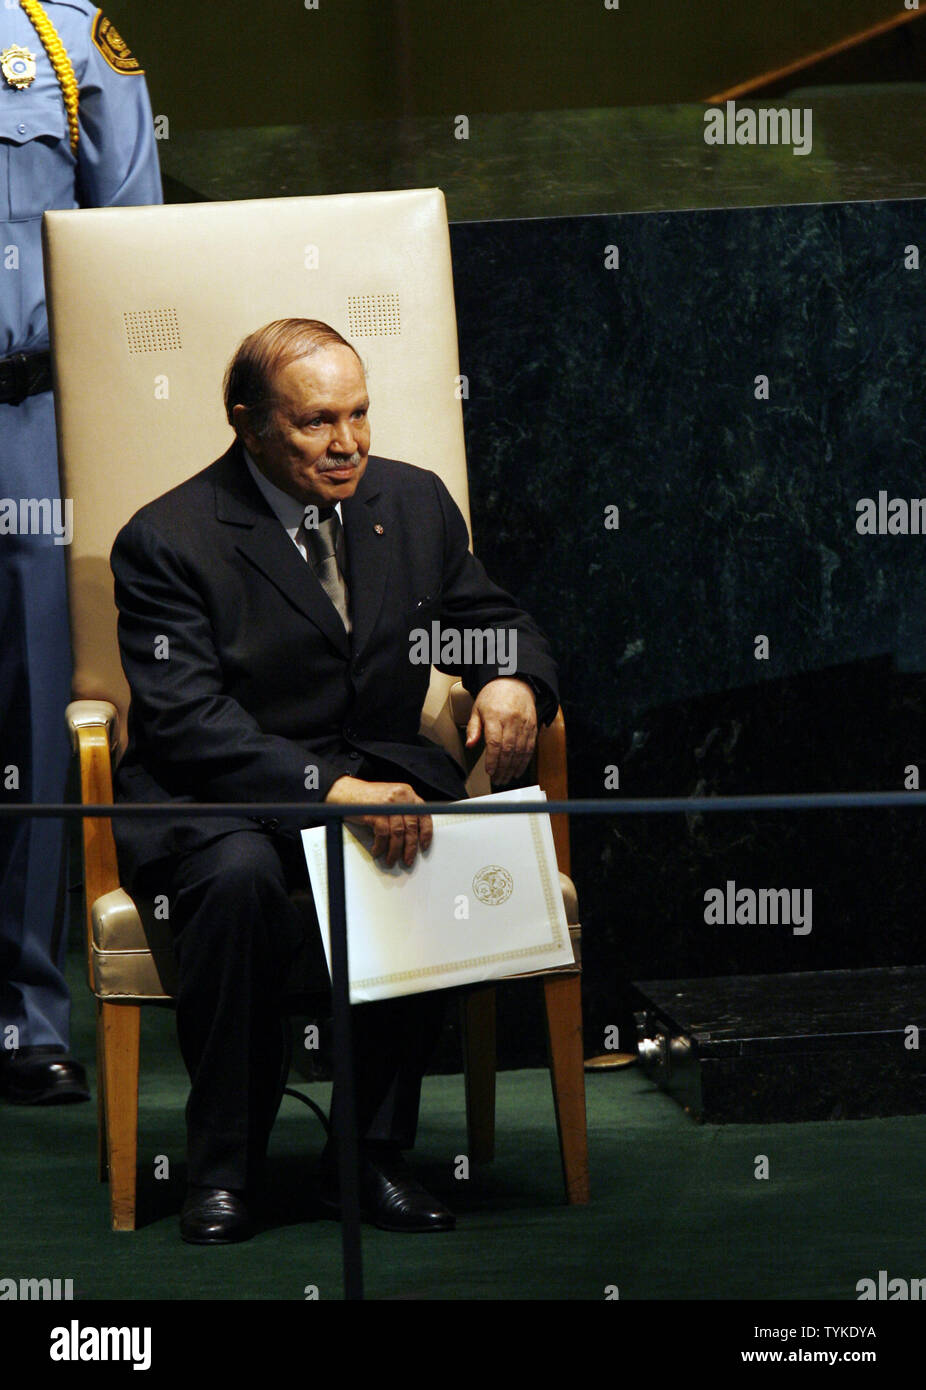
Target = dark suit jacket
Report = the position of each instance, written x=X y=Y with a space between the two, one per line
x=241 y=673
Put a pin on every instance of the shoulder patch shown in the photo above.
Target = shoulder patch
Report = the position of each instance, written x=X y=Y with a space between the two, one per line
x=113 y=47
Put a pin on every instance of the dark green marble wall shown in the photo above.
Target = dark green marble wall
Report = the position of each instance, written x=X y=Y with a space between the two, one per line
x=636 y=387
x=868 y=143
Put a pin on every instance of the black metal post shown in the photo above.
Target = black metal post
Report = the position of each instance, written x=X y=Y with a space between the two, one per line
x=345 y=1136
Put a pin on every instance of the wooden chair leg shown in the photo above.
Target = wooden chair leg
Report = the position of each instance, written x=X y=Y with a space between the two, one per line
x=121 y=1028
x=563 y=997
x=102 y=1143
x=477 y=1013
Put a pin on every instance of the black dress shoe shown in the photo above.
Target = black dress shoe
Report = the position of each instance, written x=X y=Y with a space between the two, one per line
x=41 y=1076
x=391 y=1197
x=214 y=1216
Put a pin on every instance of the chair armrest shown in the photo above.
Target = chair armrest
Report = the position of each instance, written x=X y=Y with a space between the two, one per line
x=92 y=714
x=552 y=777
x=93 y=726
x=461 y=704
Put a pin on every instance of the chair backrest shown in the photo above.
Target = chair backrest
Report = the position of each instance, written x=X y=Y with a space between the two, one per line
x=147 y=306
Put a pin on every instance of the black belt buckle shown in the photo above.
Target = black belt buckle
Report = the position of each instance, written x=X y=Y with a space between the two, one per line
x=24 y=374
x=14 y=378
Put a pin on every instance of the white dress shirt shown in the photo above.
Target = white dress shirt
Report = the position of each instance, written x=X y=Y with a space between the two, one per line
x=290 y=510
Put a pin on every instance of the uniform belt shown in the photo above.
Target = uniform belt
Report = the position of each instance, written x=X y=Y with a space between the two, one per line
x=24 y=374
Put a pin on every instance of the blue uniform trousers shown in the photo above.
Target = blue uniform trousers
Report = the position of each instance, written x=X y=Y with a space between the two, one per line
x=35 y=684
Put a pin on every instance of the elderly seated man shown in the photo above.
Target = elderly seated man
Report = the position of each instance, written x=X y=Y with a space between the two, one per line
x=265 y=612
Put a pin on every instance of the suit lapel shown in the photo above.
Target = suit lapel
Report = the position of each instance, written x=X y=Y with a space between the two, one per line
x=369 y=536
x=263 y=542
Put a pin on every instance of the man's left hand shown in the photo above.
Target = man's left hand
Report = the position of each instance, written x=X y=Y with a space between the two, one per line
x=505 y=712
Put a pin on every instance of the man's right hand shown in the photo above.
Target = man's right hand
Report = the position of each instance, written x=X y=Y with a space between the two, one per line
x=398 y=837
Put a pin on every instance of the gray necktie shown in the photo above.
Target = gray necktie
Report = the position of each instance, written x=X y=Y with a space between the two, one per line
x=325 y=544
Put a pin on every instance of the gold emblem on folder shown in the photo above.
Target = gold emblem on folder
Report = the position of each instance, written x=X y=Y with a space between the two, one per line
x=18 y=66
x=493 y=885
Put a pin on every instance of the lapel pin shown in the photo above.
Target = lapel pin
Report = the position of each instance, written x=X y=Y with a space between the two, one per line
x=378 y=527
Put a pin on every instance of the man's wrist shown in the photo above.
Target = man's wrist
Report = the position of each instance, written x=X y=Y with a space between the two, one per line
x=544 y=698
x=332 y=792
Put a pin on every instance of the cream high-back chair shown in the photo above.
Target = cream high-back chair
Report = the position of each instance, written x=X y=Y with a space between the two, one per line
x=146 y=307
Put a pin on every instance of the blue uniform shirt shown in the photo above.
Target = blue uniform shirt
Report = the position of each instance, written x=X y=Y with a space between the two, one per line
x=116 y=162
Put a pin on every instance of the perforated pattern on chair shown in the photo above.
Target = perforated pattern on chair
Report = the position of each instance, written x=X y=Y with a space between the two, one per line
x=152 y=330
x=373 y=315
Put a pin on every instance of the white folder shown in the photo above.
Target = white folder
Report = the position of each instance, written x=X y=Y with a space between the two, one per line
x=482 y=903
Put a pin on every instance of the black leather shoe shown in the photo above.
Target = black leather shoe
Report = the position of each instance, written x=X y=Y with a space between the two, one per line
x=213 y=1216
x=391 y=1197
x=41 y=1076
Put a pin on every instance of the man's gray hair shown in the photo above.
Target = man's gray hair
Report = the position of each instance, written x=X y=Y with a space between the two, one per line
x=265 y=352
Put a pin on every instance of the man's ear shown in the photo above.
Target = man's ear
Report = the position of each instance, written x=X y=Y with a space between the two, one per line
x=241 y=417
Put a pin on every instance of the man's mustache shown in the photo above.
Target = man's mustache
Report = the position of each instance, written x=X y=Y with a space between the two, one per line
x=328 y=464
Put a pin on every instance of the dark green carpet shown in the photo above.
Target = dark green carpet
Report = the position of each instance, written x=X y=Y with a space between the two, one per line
x=676 y=1211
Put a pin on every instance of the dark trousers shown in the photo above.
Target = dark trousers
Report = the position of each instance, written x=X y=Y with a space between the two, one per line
x=35 y=686
x=237 y=934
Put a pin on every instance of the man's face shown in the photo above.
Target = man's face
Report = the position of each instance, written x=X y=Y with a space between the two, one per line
x=319 y=436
